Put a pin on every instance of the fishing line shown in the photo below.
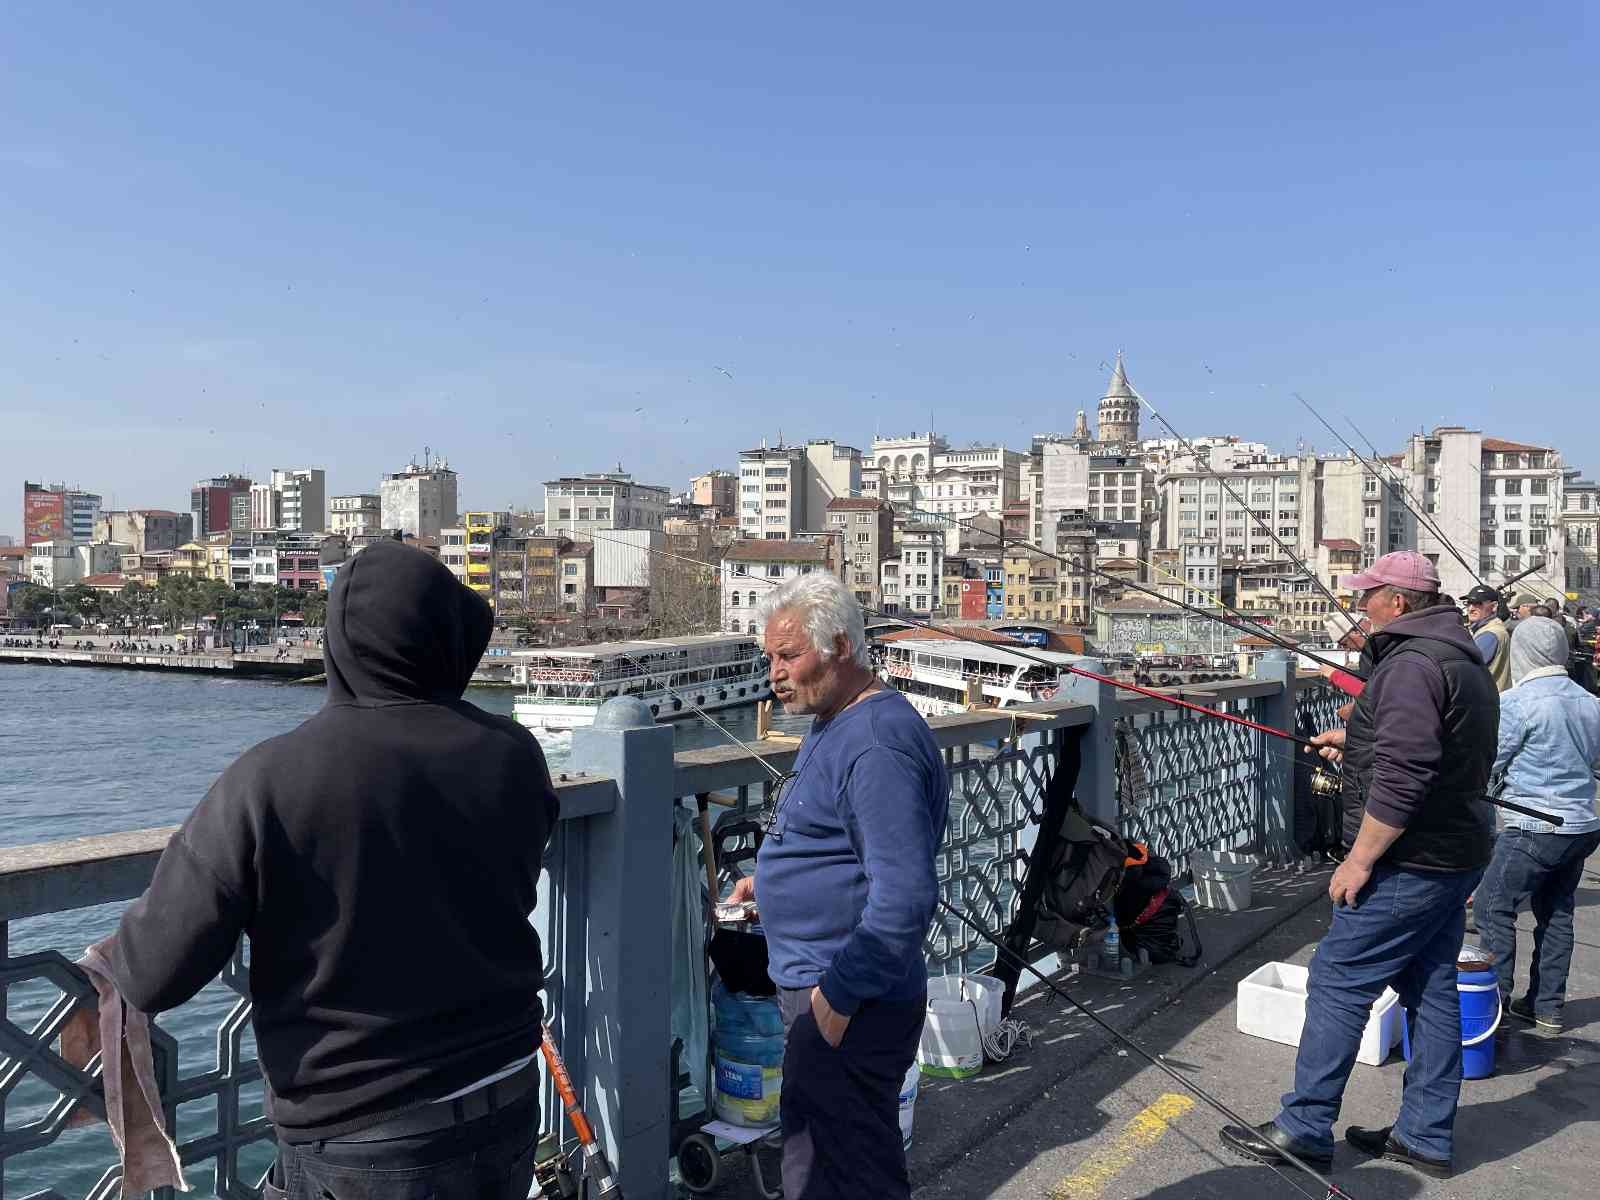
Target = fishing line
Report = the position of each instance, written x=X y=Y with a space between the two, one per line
x=1260 y=630
x=1237 y=499
x=1402 y=495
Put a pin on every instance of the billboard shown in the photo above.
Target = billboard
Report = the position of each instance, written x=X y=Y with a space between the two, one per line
x=44 y=515
x=1066 y=477
x=974 y=596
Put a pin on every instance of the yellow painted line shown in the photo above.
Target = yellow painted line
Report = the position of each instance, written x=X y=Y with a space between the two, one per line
x=1104 y=1165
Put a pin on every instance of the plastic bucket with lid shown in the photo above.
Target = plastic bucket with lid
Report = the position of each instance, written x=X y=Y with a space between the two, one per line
x=1479 y=991
x=747 y=1046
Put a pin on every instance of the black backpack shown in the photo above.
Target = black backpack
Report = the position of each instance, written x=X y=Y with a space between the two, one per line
x=1148 y=908
x=1086 y=869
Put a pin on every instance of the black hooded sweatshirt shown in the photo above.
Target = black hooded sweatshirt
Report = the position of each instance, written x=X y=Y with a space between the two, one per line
x=382 y=858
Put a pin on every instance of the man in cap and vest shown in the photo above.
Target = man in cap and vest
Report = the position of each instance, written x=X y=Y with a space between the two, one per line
x=1489 y=633
x=1417 y=753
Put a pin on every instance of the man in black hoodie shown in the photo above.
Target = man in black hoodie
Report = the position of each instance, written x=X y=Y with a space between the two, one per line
x=1416 y=754
x=383 y=859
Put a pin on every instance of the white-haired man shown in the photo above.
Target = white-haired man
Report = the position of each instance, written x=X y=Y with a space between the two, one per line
x=845 y=881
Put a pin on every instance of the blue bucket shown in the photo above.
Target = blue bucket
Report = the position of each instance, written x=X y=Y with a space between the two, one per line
x=1480 y=1017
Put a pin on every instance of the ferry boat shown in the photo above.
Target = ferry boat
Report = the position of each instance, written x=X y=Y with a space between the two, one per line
x=935 y=673
x=562 y=687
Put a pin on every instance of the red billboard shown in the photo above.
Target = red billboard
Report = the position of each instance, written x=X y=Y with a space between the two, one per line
x=44 y=515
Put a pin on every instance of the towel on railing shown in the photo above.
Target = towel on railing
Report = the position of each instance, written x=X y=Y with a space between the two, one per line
x=133 y=1102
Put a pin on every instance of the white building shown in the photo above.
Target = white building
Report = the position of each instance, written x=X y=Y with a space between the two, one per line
x=303 y=493
x=420 y=500
x=784 y=490
x=1497 y=501
x=972 y=479
x=359 y=513
x=772 y=489
x=1580 y=527
x=53 y=564
x=907 y=459
x=266 y=506
x=1258 y=496
x=921 y=574
x=581 y=506
x=752 y=567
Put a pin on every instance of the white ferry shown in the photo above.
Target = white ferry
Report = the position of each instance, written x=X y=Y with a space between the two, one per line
x=935 y=673
x=562 y=687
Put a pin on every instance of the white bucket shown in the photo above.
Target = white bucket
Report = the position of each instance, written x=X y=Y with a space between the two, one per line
x=962 y=1010
x=908 y=1102
x=1222 y=879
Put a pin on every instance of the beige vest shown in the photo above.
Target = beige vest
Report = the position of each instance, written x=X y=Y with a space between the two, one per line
x=1500 y=664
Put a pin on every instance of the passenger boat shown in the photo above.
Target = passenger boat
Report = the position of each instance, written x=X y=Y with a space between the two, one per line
x=935 y=674
x=562 y=687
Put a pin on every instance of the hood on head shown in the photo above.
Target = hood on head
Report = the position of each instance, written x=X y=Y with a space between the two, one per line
x=1537 y=642
x=401 y=627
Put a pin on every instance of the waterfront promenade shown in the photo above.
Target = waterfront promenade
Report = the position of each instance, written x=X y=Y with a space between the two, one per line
x=295 y=664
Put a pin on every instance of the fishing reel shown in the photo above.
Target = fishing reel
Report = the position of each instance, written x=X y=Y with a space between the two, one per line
x=1325 y=782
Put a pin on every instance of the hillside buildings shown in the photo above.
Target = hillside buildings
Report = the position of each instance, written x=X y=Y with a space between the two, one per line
x=56 y=512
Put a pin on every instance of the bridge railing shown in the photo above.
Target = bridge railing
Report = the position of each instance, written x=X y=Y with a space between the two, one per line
x=1176 y=779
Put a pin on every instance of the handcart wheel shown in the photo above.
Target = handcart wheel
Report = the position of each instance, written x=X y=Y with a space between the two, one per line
x=699 y=1164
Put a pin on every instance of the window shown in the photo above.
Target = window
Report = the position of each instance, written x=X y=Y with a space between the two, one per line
x=1538 y=487
x=1512 y=512
x=1536 y=463
x=1513 y=487
x=1513 y=537
x=1512 y=565
x=602 y=514
x=740 y=569
x=1536 y=537
x=583 y=514
x=774 y=571
x=569 y=589
x=563 y=514
x=750 y=600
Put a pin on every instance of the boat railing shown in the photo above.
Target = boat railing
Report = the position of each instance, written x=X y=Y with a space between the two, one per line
x=1171 y=778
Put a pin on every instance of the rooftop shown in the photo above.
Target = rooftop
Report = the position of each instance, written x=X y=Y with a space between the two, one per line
x=774 y=550
x=1341 y=544
x=843 y=503
x=1501 y=446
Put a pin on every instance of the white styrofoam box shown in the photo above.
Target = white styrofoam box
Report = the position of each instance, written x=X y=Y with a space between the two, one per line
x=1222 y=879
x=1272 y=1005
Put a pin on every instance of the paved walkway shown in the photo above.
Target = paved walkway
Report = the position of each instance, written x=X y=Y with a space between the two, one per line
x=1121 y=1130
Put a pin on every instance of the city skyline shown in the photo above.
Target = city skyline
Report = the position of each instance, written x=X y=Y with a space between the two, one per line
x=557 y=240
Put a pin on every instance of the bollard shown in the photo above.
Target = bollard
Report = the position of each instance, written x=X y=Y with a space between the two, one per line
x=623 y=1069
x=1275 y=835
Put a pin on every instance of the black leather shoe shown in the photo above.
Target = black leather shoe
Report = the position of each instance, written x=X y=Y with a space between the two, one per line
x=1266 y=1143
x=1381 y=1143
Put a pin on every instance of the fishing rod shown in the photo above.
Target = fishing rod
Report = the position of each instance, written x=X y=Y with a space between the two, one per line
x=1333 y=1189
x=1239 y=500
x=1402 y=495
x=595 y=1164
x=1277 y=639
x=1326 y=784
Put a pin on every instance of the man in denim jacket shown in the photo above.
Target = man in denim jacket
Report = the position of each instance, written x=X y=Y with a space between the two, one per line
x=1549 y=751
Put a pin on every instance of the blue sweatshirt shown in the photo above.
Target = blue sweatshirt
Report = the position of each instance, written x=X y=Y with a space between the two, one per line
x=845 y=881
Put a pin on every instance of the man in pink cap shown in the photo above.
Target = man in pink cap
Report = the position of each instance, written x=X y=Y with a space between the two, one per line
x=1416 y=756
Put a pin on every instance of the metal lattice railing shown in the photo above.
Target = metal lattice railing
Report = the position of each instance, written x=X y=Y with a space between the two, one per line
x=1187 y=783
x=38 y=1084
x=996 y=796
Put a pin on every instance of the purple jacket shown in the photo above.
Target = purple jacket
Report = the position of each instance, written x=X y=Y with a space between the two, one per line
x=1421 y=741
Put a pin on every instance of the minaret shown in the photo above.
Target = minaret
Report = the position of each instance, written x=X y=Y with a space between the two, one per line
x=1080 y=428
x=1119 y=408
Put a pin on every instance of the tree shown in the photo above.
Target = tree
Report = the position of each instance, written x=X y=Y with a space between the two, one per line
x=682 y=598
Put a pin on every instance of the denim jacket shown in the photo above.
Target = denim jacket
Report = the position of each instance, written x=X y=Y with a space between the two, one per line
x=1549 y=752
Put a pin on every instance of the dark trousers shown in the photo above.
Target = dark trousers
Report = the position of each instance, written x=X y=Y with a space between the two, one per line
x=1405 y=932
x=487 y=1159
x=1538 y=871
x=840 y=1109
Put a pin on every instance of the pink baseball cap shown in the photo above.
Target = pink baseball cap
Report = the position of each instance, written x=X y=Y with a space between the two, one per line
x=1402 y=569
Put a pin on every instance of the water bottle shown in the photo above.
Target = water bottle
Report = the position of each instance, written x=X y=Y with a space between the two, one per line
x=1111 y=948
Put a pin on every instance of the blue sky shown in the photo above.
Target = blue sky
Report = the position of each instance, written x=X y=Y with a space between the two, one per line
x=529 y=235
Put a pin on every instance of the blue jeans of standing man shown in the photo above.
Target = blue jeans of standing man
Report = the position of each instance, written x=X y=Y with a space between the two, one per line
x=1538 y=871
x=1405 y=932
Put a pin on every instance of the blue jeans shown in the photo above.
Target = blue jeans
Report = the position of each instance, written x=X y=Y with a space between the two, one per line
x=1539 y=871
x=487 y=1159
x=1405 y=932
